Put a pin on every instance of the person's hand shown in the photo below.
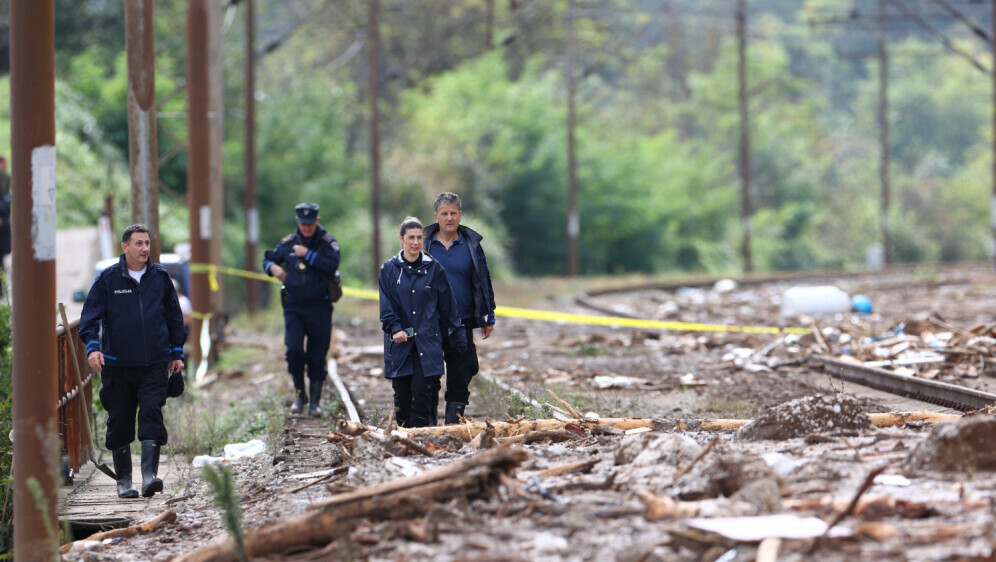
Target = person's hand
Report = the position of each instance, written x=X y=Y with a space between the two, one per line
x=176 y=366
x=278 y=272
x=400 y=337
x=299 y=250
x=486 y=331
x=95 y=360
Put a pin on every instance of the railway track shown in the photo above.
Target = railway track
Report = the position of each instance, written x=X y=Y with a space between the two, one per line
x=943 y=394
x=940 y=393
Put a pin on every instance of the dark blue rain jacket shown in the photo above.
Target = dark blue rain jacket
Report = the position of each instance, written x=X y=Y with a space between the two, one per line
x=142 y=322
x=417 y=297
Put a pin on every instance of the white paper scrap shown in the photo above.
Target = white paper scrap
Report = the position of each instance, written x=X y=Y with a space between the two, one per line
x=754 y=529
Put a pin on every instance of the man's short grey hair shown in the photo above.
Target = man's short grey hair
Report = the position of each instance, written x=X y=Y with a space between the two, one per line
x=133 y=229
x=410 y=223
x=448 y=198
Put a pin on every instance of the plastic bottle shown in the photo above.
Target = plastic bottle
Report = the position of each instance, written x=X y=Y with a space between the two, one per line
x=818 y=300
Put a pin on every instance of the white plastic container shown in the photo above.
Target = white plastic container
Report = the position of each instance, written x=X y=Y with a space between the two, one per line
x=818 y=300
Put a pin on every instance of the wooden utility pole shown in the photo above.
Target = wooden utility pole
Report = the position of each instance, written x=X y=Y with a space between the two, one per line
x=32 y=128
x=374 y=39
x=489 y=24
x=883 y=131
x=746 y=210
x=252 y=213
x=143 y=148
x=573 y=221
x=198 y=167
x=216 y=112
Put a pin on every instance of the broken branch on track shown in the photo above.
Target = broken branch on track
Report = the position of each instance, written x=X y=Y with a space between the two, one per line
x=474 y=477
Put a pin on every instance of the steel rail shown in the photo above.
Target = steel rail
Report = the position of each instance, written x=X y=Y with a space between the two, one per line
x=941 y=393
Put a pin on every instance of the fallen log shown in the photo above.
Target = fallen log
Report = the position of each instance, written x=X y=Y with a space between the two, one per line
x=470 y=478
x=168 y=516
x=468 y=431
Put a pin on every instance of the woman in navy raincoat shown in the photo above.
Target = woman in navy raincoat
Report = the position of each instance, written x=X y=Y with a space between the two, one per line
x=416 y=304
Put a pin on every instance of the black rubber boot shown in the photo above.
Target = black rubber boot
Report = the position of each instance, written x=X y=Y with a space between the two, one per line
x=316 y=397
x=298 y=404
x=150 y=467
x=122 y=467
x=453 y=412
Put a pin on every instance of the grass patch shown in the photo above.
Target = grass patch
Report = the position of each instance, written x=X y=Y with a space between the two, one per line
x=733 y=408
x=198 y=428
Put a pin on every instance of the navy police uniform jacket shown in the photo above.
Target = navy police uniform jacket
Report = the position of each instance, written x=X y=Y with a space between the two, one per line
x=417 y=297
x=484 y=294
x=305 y=286
x=142 y=322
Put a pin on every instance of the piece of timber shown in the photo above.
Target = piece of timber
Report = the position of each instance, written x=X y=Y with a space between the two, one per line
x=468 y=431
x=935 y=392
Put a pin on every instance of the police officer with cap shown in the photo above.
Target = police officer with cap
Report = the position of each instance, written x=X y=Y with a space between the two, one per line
x=303 y=261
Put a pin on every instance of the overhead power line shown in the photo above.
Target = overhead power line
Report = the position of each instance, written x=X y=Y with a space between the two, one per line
x=944 y=39
x=976 y=29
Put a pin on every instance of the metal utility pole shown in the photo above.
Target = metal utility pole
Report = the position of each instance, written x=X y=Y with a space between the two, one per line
x=883 y=128
x=143 y=149
x=198 y=165
x=573 y=221
x=746 y=210
x=36 y=441
x=374 y=39
x=252 y=213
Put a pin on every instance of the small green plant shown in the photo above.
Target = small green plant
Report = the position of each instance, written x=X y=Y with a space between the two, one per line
x=6 y=425
x=38 y=495
x=226 y=498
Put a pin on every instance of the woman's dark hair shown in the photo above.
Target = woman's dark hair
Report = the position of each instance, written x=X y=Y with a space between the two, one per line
x=410 y=223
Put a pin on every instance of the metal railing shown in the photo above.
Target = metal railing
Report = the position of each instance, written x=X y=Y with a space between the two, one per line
x=73 y=402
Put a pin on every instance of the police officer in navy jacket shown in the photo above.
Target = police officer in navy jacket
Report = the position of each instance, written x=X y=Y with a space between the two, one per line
x=303 y=261
x=133 y=308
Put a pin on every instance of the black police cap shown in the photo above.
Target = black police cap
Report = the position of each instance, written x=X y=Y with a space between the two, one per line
x=307 y=213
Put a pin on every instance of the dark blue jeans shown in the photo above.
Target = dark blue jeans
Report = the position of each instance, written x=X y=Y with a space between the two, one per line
x=461 y=366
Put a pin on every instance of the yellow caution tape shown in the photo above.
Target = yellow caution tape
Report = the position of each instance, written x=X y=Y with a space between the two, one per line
x=530 y=314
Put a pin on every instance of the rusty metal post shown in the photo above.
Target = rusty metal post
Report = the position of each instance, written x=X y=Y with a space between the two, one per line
x=374 y=38
x=573 y=220
x=252 y=213
x=143 y=149
x=35 y=367
x=746 y=206
x=198 y=167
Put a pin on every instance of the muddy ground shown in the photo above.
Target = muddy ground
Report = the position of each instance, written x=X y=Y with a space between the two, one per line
x=642 y=496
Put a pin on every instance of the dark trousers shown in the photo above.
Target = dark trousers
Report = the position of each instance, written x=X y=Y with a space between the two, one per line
x=416 y=397
x=461 y=366
x=315 y=323
x=124 y=390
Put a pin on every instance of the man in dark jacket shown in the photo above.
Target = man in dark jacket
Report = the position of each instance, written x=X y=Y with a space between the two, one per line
x=304 y=261
x=459 y=250
x=133 y=330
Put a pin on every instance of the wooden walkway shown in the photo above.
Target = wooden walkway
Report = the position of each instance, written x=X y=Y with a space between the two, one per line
x=92 y=502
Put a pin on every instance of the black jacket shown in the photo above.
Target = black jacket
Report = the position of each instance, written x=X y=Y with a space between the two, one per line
x=305 y=286
x=142 y=322
x=484 y=293
x=417 y=297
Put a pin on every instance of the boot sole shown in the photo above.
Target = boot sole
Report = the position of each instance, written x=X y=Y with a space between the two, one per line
x=129 y=494
x=155 y=486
